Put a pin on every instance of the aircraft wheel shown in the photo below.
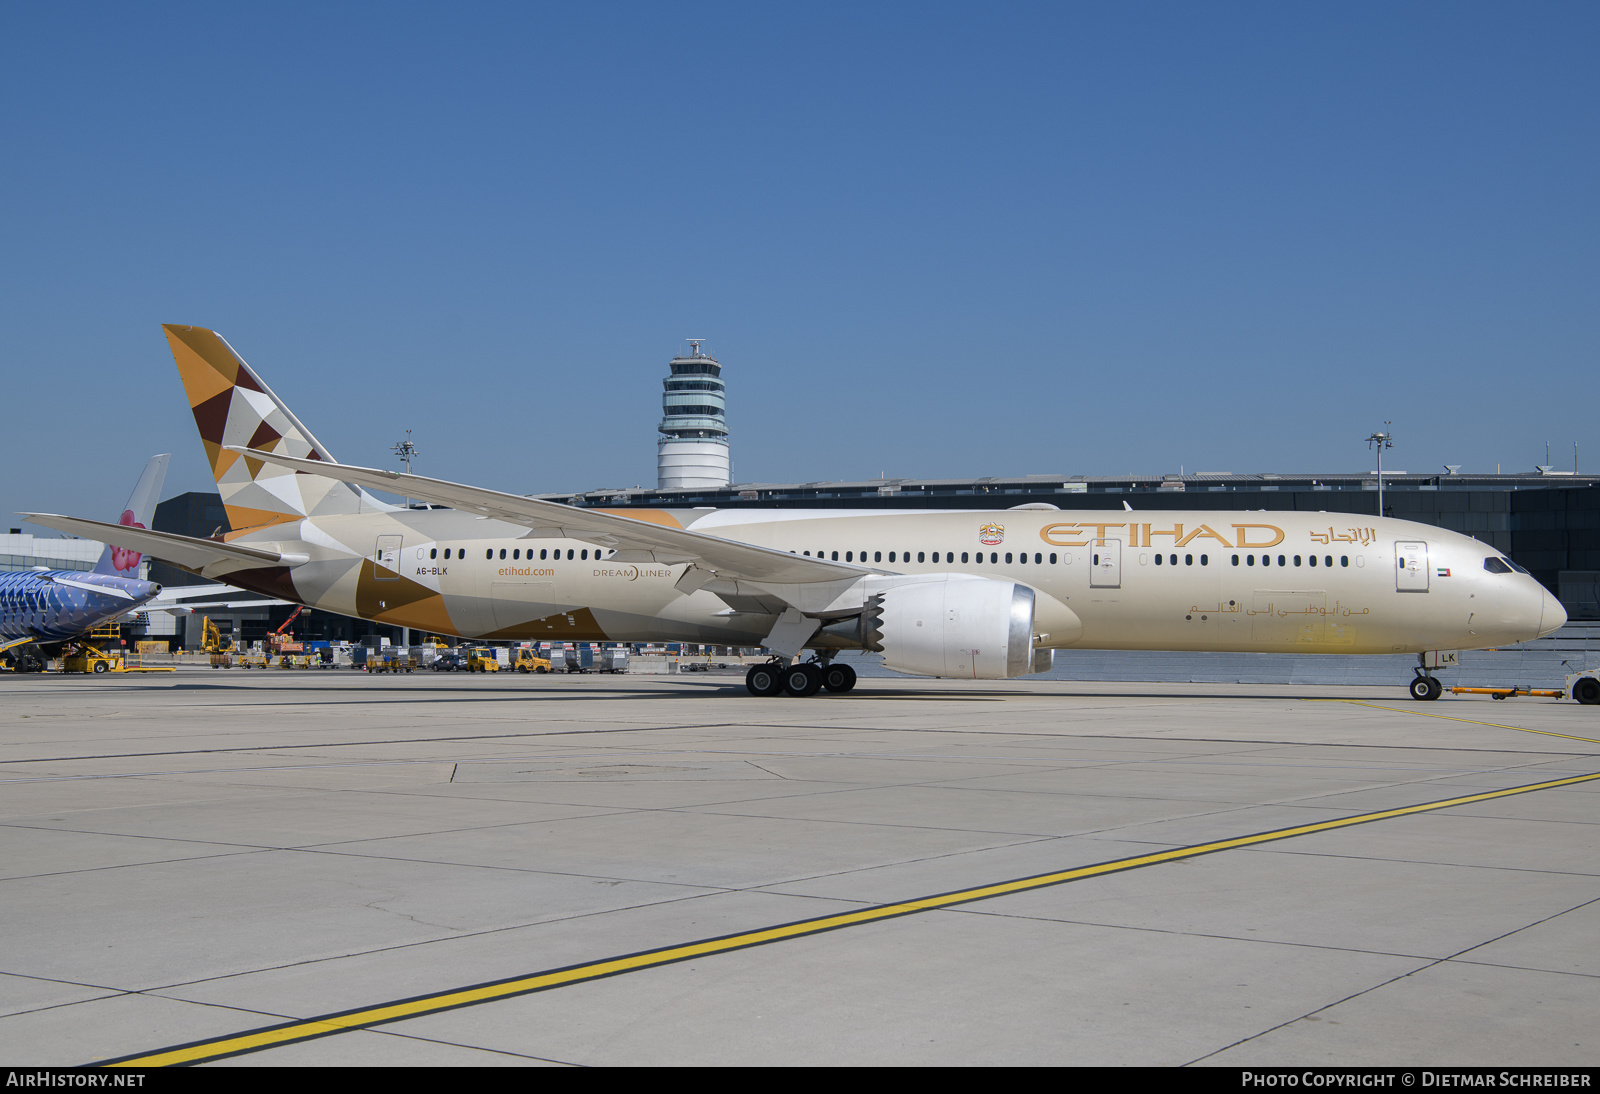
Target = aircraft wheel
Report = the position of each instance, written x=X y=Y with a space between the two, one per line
x=838 y=678
x=764 y=680
x=1587 y=691
x=802 y=680
x=1426 y=689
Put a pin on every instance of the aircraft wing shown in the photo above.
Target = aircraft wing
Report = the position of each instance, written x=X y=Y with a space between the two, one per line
x=185 y=551
x=175 y=608
x=634 y=540
x=172 y=597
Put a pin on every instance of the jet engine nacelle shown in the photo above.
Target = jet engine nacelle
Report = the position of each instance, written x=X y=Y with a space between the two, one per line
x=955 y=625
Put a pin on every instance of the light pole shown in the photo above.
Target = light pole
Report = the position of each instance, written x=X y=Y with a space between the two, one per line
x=405 y=450
x=1382 y=440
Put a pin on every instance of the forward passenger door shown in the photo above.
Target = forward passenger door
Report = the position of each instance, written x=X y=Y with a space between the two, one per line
x=1411 y=567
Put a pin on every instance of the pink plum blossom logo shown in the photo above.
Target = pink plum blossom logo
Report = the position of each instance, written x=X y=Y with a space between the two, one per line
x=121 y=557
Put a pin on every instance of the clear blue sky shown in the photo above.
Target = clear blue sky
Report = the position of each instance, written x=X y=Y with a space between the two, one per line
x=933 y=240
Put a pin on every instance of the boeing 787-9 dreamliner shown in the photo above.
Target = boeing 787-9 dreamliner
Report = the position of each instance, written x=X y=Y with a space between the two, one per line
x=955 y=593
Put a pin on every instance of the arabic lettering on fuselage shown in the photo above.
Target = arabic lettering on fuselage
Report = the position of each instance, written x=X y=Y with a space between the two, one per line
x=1363 y=536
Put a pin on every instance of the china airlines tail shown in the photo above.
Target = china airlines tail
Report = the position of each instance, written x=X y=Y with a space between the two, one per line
x=138 y=513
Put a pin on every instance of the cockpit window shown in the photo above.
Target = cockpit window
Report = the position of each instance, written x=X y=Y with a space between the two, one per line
x=1517 y=568
x=1496 y=565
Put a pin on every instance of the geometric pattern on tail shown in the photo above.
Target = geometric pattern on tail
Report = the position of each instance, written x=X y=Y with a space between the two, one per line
x=233 y=407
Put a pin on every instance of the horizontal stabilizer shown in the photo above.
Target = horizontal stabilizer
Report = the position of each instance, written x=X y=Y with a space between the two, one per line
x=185 y=551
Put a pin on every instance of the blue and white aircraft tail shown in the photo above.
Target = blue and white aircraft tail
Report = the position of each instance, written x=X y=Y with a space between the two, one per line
x=40 y=610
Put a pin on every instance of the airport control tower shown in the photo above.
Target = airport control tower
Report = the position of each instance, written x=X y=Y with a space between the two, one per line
x=693 y=448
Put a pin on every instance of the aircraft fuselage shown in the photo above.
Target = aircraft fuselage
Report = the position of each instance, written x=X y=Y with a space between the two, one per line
x=1201 y=580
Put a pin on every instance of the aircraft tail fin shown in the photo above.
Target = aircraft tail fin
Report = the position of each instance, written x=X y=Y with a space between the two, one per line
x=138 y=513
x=233 y=407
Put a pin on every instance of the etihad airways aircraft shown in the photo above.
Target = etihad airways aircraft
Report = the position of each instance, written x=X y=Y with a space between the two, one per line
x=967 y=594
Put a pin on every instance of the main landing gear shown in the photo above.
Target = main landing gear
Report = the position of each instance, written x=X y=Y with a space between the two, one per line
x=799 y=679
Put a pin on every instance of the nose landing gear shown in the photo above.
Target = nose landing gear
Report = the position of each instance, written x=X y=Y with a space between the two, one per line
x=1425 y=688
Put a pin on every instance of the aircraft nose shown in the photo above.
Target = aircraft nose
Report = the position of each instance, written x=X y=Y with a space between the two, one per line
x=1554 y=616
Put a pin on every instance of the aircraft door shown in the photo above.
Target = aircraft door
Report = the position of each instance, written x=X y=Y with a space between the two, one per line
x=1105 y=560
x=1411 y=567
x=386 y=559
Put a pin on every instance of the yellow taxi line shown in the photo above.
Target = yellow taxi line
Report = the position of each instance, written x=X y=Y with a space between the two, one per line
x=366 y=1017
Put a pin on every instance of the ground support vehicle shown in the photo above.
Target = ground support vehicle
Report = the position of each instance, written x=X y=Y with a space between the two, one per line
x=1585 y=687
x=524 y=659
x=390 y=660
x=82 y=657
